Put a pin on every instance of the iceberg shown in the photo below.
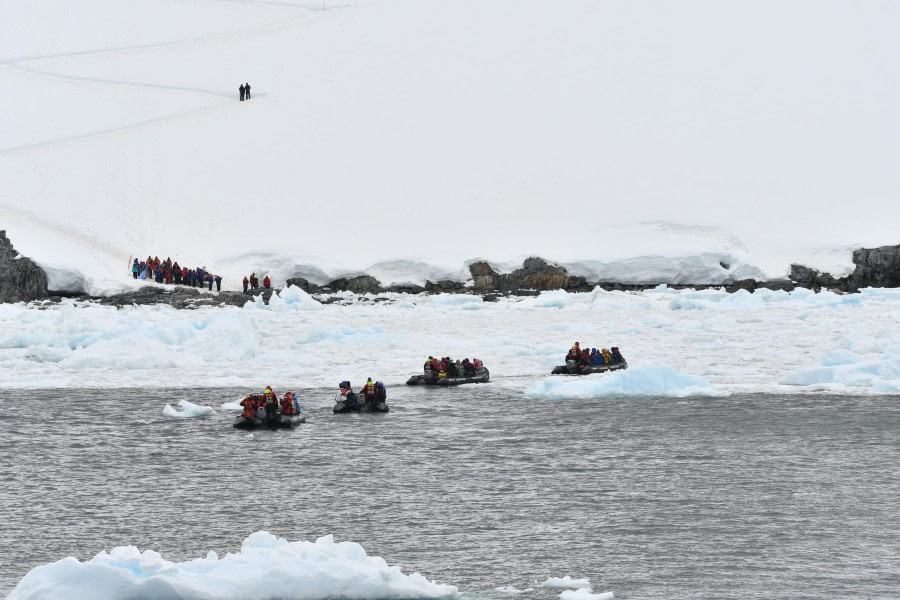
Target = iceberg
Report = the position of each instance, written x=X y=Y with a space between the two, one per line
x=266 y=567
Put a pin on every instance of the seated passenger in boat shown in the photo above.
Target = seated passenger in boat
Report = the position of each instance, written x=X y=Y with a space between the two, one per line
x=249 y=404
x=428 y=367
x=477 y=362
x=468 y=368
x=596 y=357
x=289 y=404
x=617 y=356
x=607 y=357
x=347 y=392
x=380 y=392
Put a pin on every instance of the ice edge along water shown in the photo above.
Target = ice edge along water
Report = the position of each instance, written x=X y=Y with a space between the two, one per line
x=678 y=342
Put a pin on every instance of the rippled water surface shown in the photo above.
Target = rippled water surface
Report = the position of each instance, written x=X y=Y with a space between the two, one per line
x=753 y=496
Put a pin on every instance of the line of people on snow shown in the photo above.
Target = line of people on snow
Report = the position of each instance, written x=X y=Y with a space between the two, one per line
x=592 y=356
x=446 y=367
x=168 y=272
x=372 y=393
x=253 y=282
x=268 y=400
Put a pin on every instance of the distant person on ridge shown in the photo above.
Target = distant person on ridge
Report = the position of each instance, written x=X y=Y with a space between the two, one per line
x=242 y=90
x=267 y=283
x=218 y=279
x=247 y=90
x=246 y=283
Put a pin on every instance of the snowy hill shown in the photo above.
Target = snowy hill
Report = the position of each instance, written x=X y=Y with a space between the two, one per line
x=407 y=137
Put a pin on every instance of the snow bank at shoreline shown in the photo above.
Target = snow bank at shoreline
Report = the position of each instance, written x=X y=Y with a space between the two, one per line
x=677 y=342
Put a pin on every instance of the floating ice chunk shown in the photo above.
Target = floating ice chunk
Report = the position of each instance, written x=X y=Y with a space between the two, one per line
x=189 y=410
x=585 y=594
x=293 y=298
x=236 y=405
x=266 y=567
x=508 y=589
x=644 y=380
x=249 y=436
x=566 y=582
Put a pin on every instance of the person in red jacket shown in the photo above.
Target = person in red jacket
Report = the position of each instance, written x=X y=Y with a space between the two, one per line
x=369 y=392
x=246 y=282
x=287 y=404
x=267 y=282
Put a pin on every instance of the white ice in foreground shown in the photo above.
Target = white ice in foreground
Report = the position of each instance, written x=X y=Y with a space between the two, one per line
x=636 y=381
x=585 y=594
x=266 y=567
x=567 y=582
x=188 y=409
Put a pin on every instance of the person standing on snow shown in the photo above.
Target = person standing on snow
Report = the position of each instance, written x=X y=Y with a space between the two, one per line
x=267 y=283
x=242 y=91
x=247 y=90
x=246 y=282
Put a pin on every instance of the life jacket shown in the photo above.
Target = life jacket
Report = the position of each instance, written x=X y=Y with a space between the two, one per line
x=287 y=407
x=369 y=390
x=427 y=366
x=249 y=404
x=607 y=356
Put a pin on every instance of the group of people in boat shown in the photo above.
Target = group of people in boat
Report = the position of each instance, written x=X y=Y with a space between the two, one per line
x=168 y=272
x=373 y=392
x=592 y=356
x=446 y=367
x=289 y=404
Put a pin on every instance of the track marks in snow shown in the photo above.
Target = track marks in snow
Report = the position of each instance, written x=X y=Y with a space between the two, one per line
x=225 y=99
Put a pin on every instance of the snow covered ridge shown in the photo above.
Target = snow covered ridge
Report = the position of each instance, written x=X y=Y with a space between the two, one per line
x=265 y=568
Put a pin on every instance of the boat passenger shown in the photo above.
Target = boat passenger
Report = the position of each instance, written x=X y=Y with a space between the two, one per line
x=369 y=392
x=617 y=356
x=380 y=392
x=288 y=404
x=468 y=367
x=348 y=393
x=478 y=364
x=249 y=404
x=428 y=367
x=607 y=357
x=271 y=402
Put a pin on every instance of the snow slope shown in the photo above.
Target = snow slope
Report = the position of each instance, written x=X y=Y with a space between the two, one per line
x=406 y=137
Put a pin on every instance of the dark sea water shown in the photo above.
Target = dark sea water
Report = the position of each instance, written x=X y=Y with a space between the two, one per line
x=740 y=497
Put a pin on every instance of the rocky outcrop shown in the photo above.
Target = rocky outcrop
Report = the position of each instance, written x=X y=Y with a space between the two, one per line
x=875 y=267
x=180 y=297
x=21 y=280
x=816 y=280
x=485 y=278
x=536 y=275
x=363 y=284
x=304 y=284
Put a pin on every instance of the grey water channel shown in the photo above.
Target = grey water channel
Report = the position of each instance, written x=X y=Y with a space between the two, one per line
x=739 y=497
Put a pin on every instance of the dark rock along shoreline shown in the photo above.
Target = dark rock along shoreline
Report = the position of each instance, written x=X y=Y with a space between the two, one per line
x=22 y=280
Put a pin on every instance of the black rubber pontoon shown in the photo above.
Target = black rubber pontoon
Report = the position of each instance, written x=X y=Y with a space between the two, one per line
x=571 y=368
x=481 y=375
x=279 y=421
